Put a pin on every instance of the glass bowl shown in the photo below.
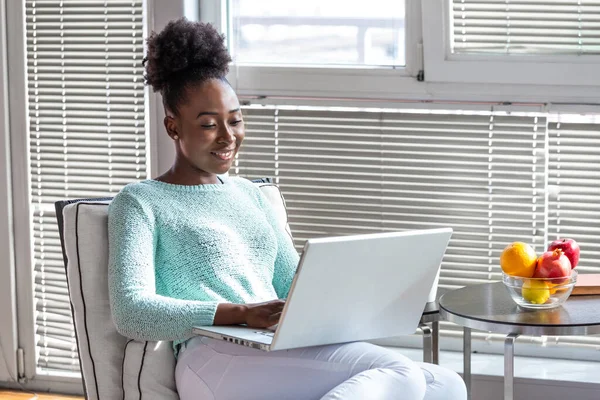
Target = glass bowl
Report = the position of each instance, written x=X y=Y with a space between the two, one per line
x=539 y=293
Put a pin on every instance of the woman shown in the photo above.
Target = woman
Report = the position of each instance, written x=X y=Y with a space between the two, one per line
x=192 y=248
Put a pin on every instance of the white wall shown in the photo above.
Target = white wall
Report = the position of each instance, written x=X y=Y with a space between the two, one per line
x=162 y=149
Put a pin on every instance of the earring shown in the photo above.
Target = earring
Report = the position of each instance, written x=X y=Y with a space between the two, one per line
x=176 y=137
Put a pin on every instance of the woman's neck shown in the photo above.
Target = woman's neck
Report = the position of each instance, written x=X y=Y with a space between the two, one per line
x=184 y=176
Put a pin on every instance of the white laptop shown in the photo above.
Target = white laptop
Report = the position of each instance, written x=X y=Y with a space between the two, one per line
x=351 y=288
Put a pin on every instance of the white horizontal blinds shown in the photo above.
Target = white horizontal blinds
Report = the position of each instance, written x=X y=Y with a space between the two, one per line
x=482 y=175
x=86 y=97
x=55 y=336
x=574 y=182
x=87 y=135
x=329 y=168
x=348 y=172
x=574 y=199
x=525 y=26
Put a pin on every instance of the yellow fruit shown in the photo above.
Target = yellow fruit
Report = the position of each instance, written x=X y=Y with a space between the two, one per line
x=518 y=259
x=535 y=292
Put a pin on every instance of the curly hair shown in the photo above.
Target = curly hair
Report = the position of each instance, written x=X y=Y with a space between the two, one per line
x=184 y=53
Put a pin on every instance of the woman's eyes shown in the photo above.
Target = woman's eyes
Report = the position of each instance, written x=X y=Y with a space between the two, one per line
x=233 y=123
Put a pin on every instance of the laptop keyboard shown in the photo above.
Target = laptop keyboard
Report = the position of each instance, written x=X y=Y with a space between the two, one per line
x=269 y=334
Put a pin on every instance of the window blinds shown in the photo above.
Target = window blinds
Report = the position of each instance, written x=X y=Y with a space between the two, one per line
x=525 y=26
x=358 y=172
x=86 y=135
x=574 y=196
x=485 y=174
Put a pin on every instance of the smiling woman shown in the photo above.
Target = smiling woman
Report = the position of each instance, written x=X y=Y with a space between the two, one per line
x=187 y=66
x=190 y=248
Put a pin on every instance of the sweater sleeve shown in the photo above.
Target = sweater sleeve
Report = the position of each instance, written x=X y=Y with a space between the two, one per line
x=138 y=311
x=287 y=259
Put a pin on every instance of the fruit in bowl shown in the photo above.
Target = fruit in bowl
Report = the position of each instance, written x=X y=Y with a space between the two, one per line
x=569 y=247
x=540 y=282
x=518 y=259
x=552 y=264
x=539 y=293
x=535 y=291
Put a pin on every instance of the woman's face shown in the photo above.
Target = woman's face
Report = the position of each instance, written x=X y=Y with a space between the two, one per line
x=209 y=128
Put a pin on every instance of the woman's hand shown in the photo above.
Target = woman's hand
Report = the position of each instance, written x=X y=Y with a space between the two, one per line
x=257 y=315
x=264 y=315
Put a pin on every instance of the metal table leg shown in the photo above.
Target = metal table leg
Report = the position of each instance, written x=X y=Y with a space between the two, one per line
x=435 y=327
x=467 y=360
x=427 y=343
x=509 y=367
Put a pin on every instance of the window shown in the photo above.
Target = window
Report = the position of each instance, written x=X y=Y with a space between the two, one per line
x=87 y=138
x=525 y=27
x=495 y=176
x=542 y=42
x=432 y=67
x=352 y=156
x=320 y=33
x=315 y=47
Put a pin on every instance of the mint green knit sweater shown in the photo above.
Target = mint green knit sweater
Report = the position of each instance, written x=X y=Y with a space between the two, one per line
x=178 y=251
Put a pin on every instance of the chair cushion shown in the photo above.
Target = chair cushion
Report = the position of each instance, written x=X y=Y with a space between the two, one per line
x=149 y=371
x=273 y=194
x=114 y=366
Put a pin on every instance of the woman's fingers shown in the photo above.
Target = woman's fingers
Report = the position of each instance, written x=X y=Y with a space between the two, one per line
x=274 y=318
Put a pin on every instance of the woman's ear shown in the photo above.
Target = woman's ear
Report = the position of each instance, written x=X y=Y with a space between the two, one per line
x=171 y=127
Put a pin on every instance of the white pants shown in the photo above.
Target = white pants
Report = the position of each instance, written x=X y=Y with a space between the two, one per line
x=209 y=369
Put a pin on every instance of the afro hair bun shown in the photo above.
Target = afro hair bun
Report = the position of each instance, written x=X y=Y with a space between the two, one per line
x=185 y=48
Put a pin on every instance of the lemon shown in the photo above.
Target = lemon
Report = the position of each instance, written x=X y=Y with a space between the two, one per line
x=518 y=259
x=535 y=292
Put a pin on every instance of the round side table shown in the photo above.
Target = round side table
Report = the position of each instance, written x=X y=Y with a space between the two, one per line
x=489 y=307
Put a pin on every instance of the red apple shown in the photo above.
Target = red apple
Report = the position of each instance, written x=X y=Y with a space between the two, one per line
x=569 y=247
x=552 y=264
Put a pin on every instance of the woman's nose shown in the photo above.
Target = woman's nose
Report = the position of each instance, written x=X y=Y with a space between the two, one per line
x=227 y=134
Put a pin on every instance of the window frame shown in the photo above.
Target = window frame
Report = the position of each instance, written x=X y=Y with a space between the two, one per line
x=8 y=331
x=320 y=81
x=441 y=65
x=20 y=189
x=387 y=86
